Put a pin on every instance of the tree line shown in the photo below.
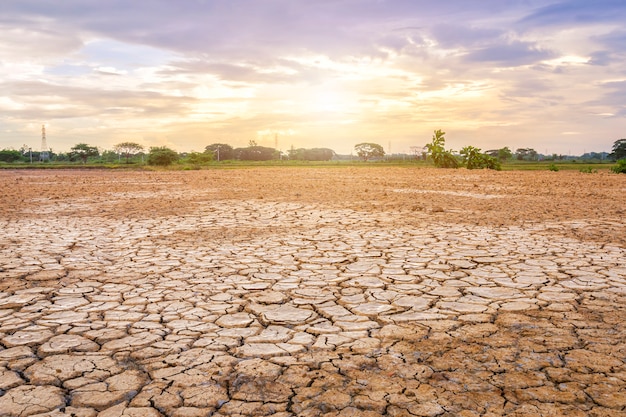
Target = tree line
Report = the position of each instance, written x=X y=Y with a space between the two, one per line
x=132 y=152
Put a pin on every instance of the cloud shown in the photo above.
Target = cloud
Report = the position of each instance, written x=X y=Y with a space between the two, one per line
x=567 y=13
x=330 y=70
x=513 y=53
x=614 y=40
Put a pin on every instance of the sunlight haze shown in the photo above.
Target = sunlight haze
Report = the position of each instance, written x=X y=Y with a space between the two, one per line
x=550 y=75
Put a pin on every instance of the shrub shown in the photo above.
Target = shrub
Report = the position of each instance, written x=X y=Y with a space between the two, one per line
x=588 y=170
x=9 y=155
x=620 y=168
x=474 y=159
x=198 y=158
x=162 y=156
x=553 y=168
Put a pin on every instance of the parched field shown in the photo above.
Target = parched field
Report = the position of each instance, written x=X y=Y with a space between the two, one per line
x=312 y=292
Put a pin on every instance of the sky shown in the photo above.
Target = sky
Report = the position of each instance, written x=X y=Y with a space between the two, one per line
x=548 y=75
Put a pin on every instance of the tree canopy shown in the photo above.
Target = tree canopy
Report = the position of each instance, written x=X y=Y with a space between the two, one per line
x=83 y=151
x=256 y=153
x=128 y=149
x=368 y=150
x=619 y=150
x=220 y=151
x=314 y=154
x=9 y=155
x=526 y=154
x=162 y=156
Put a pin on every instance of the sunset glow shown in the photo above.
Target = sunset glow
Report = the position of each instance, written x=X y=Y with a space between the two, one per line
x=544 y=74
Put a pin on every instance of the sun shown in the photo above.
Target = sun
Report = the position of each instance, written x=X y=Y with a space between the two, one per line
x=329 y=100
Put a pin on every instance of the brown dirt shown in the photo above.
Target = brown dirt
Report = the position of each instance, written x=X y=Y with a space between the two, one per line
x=458 y=196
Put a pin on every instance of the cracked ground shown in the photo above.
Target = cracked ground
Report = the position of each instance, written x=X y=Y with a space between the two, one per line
x=312 y=292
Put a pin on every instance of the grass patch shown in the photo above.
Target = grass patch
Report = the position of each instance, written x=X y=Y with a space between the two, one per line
x=552 y=166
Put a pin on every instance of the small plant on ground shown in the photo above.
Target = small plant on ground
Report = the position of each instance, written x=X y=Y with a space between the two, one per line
x=588 y=170
x=439 y=155
x=553 y=168
x=620 y=168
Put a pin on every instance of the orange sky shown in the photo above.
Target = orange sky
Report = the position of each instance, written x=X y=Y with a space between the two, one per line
x=548 y=75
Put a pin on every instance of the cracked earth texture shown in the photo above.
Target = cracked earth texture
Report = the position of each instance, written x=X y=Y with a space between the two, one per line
x=312 y=292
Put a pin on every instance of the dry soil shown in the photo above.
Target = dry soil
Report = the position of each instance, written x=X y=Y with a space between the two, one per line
x=312 y=292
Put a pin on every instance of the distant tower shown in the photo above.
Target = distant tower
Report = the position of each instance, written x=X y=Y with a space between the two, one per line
x=43 y=155
x=276 y=141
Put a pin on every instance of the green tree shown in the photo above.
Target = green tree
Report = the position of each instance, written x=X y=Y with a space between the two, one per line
x=220 y=151
x=128 y=149
x=83 y=151
x=367 y=151
x=314 y=154
x=437 y=152
x=526 y=154
x=199 y=158
x=474 y=159
x=256 y=153
x=9 y=155
x=619 y=150
x=504 y=154
x=162 y=156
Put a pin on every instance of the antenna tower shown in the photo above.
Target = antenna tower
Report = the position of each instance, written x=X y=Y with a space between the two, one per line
x=44 y=155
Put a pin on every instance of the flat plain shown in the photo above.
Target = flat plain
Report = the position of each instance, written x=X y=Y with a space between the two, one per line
x=329 y=291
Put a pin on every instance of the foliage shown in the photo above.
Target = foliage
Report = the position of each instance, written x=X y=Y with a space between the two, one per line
x=474 y=159
x=162 y=156
x=9 y=155
x=553 y=168
x=504 y=154
x=620 y=168
x=314 y=154
x=588 y=170
x=256 y=153
x=367 y=151
x=526 y=154
x=198 y=158
x=83 y=151
x=127 y=149
x=437 y=152
x=619 y=150
x=221 y=151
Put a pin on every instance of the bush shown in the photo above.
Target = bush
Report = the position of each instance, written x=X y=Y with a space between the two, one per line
x=620 y=168
x=553 y=168
x=474 y=159
x=162 y=156
x=588 y=170
x=8 y=155
x=198 y=158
